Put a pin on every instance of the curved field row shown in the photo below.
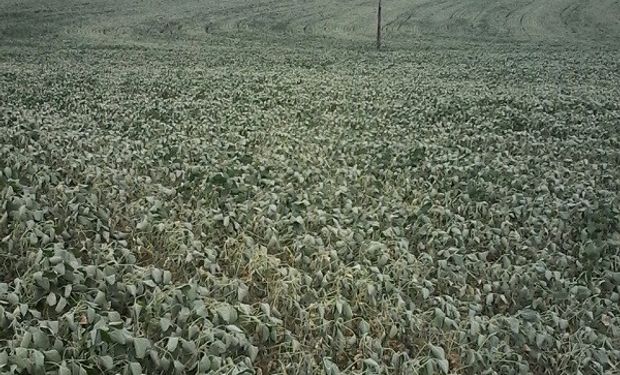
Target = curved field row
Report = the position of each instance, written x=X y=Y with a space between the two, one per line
x=526 y=20
x=521 y=19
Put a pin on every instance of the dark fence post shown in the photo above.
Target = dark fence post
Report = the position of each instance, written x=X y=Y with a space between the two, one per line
x=379 y=26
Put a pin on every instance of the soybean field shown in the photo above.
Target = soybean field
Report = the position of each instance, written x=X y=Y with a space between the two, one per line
x=251 y=187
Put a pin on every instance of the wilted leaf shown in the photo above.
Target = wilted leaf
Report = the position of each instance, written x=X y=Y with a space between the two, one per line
x=371 y=363
x=330 y=367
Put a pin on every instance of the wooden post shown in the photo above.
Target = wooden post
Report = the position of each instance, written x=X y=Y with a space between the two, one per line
x=379 y=26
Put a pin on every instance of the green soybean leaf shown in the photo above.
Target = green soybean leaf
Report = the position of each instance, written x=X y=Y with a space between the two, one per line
x=165 y=324
x=106 y=362
x=437 y=351
x=135 y=368
x=38 y=359
x=443 y=364
x=252 y=352
x=227 y=313
x=141 y=345
x=26 y=340
x=189 y=346
x=172 y=343
x=4 y=358
x=51 y=299
x=118 y=336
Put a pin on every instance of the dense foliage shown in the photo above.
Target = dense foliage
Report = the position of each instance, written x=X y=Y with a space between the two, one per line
x=280 y=205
